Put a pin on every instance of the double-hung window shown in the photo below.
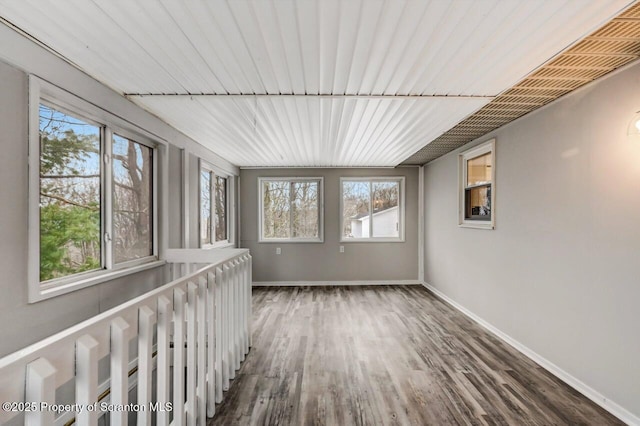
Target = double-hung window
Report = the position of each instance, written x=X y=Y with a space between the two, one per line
x=291 y=209
x=477 y=186
x=214 y=207
x=92 y=202
x=372 y=209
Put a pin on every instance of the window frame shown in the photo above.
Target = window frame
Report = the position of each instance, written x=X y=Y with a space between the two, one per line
x=230 y=223
x=463 y=158
x=290 y=180
x=401 y=238
x=44 y=93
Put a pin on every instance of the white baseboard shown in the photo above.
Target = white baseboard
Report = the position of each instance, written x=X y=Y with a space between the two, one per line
x=332 y=283
x=613 y=408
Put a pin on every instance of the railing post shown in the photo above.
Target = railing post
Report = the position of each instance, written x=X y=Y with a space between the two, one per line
x=87 y=379
x=120 y=332
x=178 y=357
x=226 y=328
x=238 y=312
x=245 y=301
x=191 y=352
x=201 y=382
x=164 y=326
x=219 y=335
x=243 y=307
x=40 y=388
x=211 y=345
x=146 y=321
x=230 y=319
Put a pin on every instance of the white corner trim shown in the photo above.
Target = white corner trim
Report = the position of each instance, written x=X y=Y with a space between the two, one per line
x=332 y=283
x=595 y=396
x=421 y=223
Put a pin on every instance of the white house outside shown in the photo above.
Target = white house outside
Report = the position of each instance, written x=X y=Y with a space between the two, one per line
x=385 y=224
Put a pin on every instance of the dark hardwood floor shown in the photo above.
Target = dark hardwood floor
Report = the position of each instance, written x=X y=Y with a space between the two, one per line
x=379 y=355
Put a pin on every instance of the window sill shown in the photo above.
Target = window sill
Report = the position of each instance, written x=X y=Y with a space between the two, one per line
x=477 y=225
x=47 y=291
x=286 y=241
x=219 y=245
x=372 y=240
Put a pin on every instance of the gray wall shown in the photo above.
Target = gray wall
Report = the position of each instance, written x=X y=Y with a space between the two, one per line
x=175 y=212
x=323 y=261
x=560 y=271
x=194 y=200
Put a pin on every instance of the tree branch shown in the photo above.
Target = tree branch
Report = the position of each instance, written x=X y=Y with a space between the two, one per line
x=125 y=162
x=123 y=186
x=64 y=200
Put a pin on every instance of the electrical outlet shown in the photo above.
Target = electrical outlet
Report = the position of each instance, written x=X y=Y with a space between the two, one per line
x=341 y=249
x=278 y=250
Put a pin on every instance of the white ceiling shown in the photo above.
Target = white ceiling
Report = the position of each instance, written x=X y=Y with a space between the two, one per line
x=312 y=131
x=374 y=81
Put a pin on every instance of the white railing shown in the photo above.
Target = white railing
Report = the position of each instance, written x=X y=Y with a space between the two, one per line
x=205 y=314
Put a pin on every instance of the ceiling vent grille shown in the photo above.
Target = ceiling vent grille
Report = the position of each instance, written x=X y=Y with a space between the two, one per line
x=615 y=44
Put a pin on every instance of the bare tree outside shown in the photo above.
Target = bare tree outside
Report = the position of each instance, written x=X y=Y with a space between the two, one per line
x=221 y=208
x=291 y=209
x=205 y=207
x=385 y=195
x=132 y=200
x=213 y=208
x=276 y=205
x=356 y=196
x=305 y=209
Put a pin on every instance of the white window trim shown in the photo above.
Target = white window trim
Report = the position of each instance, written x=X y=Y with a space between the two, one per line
x=485 y=147
x=41 y=91
x=401 y=213
x=230 y=202
x=320 y=238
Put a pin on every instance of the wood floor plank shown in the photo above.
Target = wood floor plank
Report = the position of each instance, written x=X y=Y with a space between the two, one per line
x=387 y=355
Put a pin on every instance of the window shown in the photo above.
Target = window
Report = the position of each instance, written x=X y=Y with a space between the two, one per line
x=372 y=209
x=477 y=188
x=291 y=209
x=75 y=190
x=214 y=226
x=70 y=195
x=92 y=202
x=132 y=200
